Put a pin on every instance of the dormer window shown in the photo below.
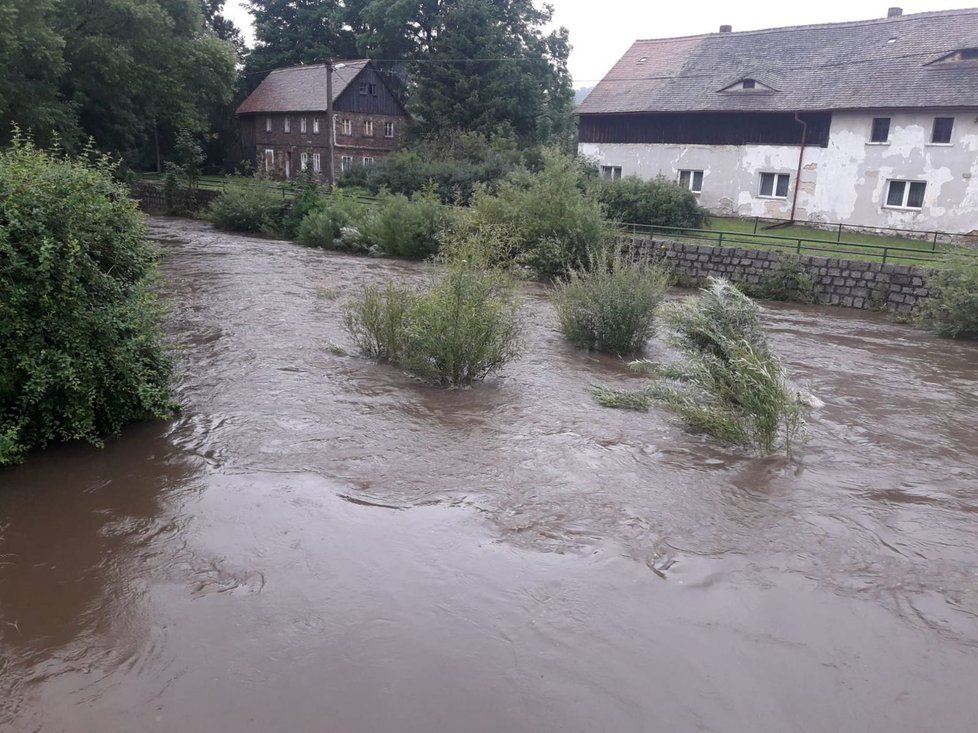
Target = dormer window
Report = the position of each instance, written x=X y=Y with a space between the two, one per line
x=956 y=57
x=748 y=84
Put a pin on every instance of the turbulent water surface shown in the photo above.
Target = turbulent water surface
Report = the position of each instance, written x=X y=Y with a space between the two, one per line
x=321 y=543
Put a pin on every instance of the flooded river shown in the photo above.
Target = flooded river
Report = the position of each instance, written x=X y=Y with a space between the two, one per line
x=321 y=543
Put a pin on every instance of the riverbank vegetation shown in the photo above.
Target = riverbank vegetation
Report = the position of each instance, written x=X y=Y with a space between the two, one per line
x=80 y=344
x=952 y=308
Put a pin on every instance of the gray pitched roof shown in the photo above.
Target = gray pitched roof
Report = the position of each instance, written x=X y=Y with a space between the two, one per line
x=301 y=88
x=885 y=63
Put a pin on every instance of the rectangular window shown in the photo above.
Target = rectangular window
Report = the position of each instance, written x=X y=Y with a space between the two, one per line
x=774 y=185
x=346 y=162
x=881 y=130
x=304 y=160
x=302 y=124
x=315 y=163
x=315 y=125
x=611 y=172
x=942 y=130
x=368 y=161
x=347 y=127
x=269 y=160
x=287 y=124
x=368 y=128
x=363 y=87
x=906 y=194
x=388 y=129
x=692 y=180
x=268 y=124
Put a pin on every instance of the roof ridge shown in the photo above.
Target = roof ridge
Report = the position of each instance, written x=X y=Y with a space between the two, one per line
x=319 y=65
x=836 y=24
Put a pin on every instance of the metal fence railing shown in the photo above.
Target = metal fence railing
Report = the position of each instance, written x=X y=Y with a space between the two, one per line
x=798 y=245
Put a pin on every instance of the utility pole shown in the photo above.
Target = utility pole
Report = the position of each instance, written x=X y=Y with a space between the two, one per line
x=330 y=132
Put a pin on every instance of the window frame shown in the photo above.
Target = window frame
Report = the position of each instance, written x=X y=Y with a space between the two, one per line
x=368 y=128
x=268 y=123
x=873 y=130
x=286 y=124
x=908 y=188
x=691 y=179
x=776 y=179
x=269 y=153
x=346 y=162
x=303 y=161
x=303 y=124
x=388 y=129
x=347 y=127
x=363 y=88
x=934 y=129
x=317 y=166
x=315 y=125
x=369 y=160
x=610 y=172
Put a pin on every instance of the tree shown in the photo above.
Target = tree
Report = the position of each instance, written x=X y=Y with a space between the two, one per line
x=290 y=32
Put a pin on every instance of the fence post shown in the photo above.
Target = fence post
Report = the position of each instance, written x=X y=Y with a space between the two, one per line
x=720 y=240
x=884 y=255
x=798 y=248
x=755 y=225
x=934 y=247
x=839 y=238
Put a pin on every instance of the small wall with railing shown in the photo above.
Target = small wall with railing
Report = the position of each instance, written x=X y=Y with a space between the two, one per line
x=835 y=281
x=152 y=197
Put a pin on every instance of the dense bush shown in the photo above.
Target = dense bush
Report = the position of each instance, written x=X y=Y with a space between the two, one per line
x=730 y=385
x=952 y=308
x=657 y=202
x=786 y=280
x=326 y=224
x=551 y=221
x=248 y=205
x=406 y=227
x=465 y=325
x=610 y=306
x=80 y=353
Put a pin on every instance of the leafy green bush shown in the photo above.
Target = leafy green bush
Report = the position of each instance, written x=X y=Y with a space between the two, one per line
x=952 y=308
x=611 y=305
x=465 y=325
x=324 y=225
x=729 y=384
x=248 y=205
x=553 y=223
x=657 y=202
x=787 y=280
x=308 y=198
x=80 y=348
x=406 y=227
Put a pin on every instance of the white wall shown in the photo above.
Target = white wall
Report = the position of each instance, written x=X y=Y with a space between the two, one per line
x=845 y=182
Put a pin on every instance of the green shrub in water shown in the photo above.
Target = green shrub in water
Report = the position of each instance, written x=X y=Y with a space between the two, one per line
x=80 y=345
x=324 y=225
x=248 y=205
x=463 y=326
x=729 y=383
x=786 y=280
x=406 y=227
x=952 y=308
x=610 y=306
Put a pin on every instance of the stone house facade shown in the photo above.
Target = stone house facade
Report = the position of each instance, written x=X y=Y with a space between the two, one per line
x=285 y=129
x=872 y=123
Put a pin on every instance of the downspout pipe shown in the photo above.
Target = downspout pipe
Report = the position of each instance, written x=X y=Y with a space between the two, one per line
x=801 y=155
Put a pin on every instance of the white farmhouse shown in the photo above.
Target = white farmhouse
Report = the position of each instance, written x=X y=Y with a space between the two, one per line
x=872 y=123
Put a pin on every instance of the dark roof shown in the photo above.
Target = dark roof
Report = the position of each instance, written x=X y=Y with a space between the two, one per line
x=301 y=88
x=879 y=64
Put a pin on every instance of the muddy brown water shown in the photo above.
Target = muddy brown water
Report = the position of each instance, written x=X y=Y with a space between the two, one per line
x=320 y=543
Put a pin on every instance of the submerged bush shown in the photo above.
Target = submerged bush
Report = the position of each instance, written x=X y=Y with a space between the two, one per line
x=324 y=225
x=80 y=347
x=952 y=308
x=657 y=202
x=611 y=305
x=248 y=205
x=406 y=227
x=553 y=223
x=787 y=280
x=729 y=385
x=463 y=326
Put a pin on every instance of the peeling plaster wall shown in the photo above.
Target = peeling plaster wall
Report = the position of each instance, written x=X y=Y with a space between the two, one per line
x=844 y=182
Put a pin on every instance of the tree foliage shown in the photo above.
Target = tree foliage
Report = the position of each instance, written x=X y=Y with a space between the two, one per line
x=119 y=71
x=80 y=353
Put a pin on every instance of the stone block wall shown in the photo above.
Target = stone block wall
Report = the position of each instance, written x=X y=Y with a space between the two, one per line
x=152 y=199
x=849 y=283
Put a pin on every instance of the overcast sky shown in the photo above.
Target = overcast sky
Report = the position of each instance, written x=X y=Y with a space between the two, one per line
x=602 y=30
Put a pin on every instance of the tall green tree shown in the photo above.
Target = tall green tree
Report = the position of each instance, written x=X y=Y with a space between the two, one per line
x=290 y=32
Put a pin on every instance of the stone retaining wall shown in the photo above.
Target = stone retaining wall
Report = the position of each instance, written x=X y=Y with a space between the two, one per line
x=152 y=198
x=849 y=283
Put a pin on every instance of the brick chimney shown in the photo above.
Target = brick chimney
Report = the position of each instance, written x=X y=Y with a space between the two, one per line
x=894 y=12
x=726 y=28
